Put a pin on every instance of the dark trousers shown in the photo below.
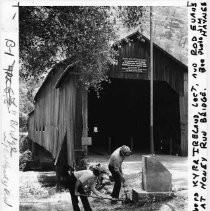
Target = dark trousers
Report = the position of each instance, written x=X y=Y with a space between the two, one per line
x=117 y=184
x=71 y=181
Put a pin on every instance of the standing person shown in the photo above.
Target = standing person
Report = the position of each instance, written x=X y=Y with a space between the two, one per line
x=115 y=167
x=76 y=181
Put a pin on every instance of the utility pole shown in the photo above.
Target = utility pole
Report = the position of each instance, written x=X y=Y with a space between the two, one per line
x=151 y=83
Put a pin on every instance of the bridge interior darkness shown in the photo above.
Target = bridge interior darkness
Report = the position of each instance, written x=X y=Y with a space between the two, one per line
x=122 y=113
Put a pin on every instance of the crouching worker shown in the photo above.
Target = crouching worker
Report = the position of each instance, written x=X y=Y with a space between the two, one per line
x=76 y=181
x=115 y=167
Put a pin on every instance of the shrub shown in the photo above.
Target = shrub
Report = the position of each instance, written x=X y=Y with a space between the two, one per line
x=24 y=158
x=23 y=121
x=23 y=143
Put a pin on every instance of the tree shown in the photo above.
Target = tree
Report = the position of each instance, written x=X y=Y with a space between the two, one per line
x=51 y=34
x=169 y=27
x=170 y=30
x=132 y=16
x=27 y=90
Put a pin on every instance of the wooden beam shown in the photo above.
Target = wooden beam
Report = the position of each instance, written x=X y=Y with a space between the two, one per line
x=85 y=117
x=131 y=144
x=183 y=102
x=171 y=146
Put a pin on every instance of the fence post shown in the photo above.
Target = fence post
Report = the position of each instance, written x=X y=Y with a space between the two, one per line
x=109 y=145
x=131 y=144
x=171 y=146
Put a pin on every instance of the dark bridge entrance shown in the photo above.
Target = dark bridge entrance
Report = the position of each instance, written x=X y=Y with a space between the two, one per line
x=122 y=113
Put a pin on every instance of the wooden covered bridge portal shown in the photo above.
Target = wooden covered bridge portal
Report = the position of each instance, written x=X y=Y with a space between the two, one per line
x=67 y=115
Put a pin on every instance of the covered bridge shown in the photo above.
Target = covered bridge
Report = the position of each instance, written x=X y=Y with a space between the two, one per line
x=66 y=115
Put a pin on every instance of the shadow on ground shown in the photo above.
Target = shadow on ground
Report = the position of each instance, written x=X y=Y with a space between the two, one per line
x=47 y=179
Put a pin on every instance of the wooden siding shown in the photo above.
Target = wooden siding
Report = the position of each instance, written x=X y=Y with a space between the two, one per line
x=70 y=115
x=55 y=115
x=46 y=117
x=166 y=68
x=183 y=101
x=31 y=127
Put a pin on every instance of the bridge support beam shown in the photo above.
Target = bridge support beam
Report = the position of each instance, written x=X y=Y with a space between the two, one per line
x=183 y=102
x=85 y=118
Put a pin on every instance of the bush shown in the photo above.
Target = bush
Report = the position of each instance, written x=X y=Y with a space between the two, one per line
x=24 y=143
x=23 y=121
x=24 y=158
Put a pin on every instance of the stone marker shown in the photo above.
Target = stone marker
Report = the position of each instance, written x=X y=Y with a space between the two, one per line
x=155 y=176
x=156 y=181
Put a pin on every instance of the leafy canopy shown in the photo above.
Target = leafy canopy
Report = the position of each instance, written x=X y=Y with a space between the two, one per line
x=51 y=34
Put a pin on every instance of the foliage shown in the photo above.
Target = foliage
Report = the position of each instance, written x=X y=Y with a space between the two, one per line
x=51 y=34
x=22 y=121
x=23 y=143
x=169 y=27
x=131 y=16
x=24 y=158
x=27 y=90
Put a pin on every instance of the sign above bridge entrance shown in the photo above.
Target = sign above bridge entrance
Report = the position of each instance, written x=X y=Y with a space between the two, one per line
x=134 y=65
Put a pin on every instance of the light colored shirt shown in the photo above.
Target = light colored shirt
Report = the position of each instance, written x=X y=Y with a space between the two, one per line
x=85 y=176
x=116 y=160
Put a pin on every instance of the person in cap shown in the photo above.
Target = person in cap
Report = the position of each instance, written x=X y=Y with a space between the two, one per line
x=76 y=181
x=115 y=167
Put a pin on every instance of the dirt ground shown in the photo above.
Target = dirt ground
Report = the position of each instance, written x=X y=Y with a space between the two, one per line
x=37 y=189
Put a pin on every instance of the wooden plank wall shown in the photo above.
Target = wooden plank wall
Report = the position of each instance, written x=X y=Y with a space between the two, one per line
x=165 y=68
x=31 y=127
x=183 y=101
x=44 y=123
x=46 y=115
x=58 y=113
x=85 y=118
x=132 y=50
x=70 y=118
